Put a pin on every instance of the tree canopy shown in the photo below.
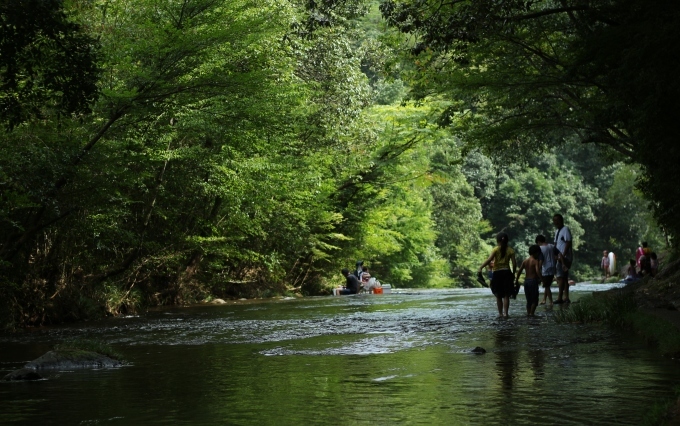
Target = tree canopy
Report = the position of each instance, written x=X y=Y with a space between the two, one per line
x=166 y=152
x=47 y=61
x=525 y=76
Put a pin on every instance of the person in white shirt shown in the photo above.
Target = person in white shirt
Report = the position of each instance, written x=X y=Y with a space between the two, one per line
x=563 y=243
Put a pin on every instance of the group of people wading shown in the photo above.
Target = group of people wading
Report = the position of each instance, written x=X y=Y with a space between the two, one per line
x=545 y=262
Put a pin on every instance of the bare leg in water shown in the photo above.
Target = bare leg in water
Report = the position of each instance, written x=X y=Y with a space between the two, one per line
x=499 y=303
x=547 y=292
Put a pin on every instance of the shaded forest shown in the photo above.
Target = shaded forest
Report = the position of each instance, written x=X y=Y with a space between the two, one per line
x=168 y=152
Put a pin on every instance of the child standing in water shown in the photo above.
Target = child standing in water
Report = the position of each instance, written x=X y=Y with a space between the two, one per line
x=532 y=278
x=548 y=260
x=503 y=257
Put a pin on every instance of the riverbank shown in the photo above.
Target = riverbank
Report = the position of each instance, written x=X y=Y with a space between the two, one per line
x=659 y=299
x=648 y=308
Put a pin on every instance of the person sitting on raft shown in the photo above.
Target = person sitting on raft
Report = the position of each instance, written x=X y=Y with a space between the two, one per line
x=365 y=275
x=368 y=282
x=351 y=285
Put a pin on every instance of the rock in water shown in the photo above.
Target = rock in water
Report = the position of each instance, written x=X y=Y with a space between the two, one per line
x=478 y=350
x=23 y=374
x=70 y=359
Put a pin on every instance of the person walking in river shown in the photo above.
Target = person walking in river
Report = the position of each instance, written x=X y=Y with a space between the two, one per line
x=503 y=258
x=564 y=262
x=548 y=261
x=532 y=266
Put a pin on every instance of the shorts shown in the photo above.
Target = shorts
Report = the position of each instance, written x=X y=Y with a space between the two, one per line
x=559 y=272
x=547 y=280
x=531 y=291
x=502 y=283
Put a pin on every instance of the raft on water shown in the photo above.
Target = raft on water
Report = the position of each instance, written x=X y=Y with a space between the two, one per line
x=384 y=289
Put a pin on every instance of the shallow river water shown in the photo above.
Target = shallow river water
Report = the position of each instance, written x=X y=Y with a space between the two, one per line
x=402 y=358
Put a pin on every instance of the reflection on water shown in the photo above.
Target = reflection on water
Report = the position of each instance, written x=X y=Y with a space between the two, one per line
x=506 y=357
x=400 y=358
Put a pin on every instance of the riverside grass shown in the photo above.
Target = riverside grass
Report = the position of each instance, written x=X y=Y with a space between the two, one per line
x=619 y=310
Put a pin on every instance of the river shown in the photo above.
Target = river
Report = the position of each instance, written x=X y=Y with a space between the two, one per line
x=402 y=358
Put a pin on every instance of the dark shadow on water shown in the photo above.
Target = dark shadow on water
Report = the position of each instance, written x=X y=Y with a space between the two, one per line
x=506 y=356
x=537 y=360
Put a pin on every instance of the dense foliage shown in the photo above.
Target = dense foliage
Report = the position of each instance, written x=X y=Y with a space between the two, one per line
x=525 y=76
x=47 y=61
x=214 y=148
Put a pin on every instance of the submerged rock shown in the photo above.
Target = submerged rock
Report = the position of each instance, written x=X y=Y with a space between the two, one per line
x=72 y=358
x=62 y=359
x=478 y=350
x=23 y=374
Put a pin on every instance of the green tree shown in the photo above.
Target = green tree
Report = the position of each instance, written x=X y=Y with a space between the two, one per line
x=205 y=165
x=526 y=76
x=457 y=213
x=599 y=202
x=418 y=221
x=47 y=61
